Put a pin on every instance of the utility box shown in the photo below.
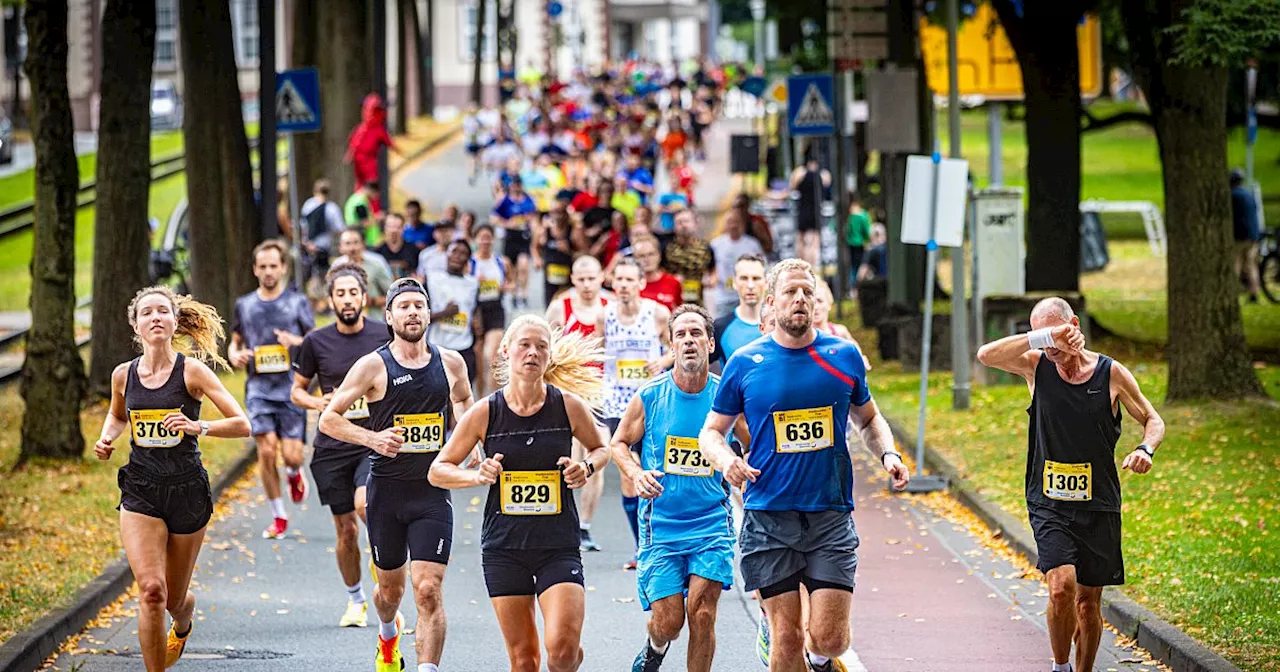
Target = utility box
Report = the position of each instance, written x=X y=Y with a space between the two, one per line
x=1001 y=249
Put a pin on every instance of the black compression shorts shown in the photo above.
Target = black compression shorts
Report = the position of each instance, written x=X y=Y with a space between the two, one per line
x=510 y=572
x=408 y=517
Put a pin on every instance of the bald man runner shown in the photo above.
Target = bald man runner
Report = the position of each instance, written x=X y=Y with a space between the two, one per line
x=1072 y=484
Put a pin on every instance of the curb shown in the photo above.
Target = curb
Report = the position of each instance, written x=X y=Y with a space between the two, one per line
x=28 y=649
x=1166 y=643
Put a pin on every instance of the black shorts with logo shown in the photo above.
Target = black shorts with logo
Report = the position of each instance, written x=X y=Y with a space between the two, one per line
x=184 y=501
x=509 y=572
x=1089 y=540
x=408 y=520
x=337 y=475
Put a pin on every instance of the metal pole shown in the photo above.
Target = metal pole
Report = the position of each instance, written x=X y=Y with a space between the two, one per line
x=995 y=137
x=267 y=116
x=295 y=217
x=758 y=9
x=380 y=87
x=838 y=94
x=931 y=266
x=959 y=320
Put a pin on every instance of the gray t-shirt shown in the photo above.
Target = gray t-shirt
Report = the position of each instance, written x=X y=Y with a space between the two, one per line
x=453 y=332
x=256 y=320
x=727 y=251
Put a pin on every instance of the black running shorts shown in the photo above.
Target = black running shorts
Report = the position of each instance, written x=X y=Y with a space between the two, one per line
x=407 y=520
x=510 y=572
x=1089 y=540
x=337 y=475
x=183 y=501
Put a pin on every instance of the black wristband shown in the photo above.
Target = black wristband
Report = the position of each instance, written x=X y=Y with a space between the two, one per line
x=591 y=468
x=1146 y=449
x=888 y=453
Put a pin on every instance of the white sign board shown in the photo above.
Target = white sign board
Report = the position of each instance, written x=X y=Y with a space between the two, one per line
x=1001 y=245
x=918 y=227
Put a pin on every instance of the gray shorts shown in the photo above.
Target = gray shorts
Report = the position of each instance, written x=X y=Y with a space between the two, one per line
x=776 y=545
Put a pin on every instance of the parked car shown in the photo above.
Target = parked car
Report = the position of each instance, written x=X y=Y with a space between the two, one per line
x=166 y=106
x=6 y=139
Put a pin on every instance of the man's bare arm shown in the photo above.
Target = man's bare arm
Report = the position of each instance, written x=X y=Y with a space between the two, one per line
x=630 y=430
x=359 y=381
x=878 y=438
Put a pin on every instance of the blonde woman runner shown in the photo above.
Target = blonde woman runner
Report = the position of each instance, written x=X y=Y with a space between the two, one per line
x=530 y=537
x=165 y=498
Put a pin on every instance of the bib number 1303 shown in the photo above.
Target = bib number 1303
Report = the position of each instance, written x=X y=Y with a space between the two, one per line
x=1068 y=482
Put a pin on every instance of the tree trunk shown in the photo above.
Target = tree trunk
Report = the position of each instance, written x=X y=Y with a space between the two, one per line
x=223 y=218
x=121 y=236
x=404 y=51
x=422 y=48
x=53 y=379
x=334 y=38
x=478 y=56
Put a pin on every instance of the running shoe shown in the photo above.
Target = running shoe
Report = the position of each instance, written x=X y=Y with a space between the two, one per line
x=356 y=616
x=277 y=529
x=630 y=565
x=389 y=658
x=832 y=665
x=586 y=543
x=762 y=639
x=297 y=488
x=176 y=644
x=647 y=660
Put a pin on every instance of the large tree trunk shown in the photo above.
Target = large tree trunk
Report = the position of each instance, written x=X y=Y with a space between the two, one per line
x=121 y=236
x=53 y=379
x=1044 y=38
x=477 y=54
x=334 y=38
x=224 y=225
x=404 y=52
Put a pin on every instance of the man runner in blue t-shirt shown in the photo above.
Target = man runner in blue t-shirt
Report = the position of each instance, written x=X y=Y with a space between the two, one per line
x=686 y=522
x=797 y=528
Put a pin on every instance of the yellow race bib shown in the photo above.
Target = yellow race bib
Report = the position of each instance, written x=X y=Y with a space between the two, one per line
x=490 y=290
x=530 y=493
x=359 y=410
x=803 y=430
x=423 y=432
x=147 y=428
x=557 y=274
x=1068 y=482
x=271 y=359
x=456 y=323
x=683 y=457
x=633 y=369
x=691 y=290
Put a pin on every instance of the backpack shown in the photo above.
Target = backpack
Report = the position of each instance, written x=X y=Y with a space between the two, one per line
x=317 y=223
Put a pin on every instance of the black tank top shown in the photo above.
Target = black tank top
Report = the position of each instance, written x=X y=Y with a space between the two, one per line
x=531 y=481
x=1071 y=441
x=156 y=451
x=418 y=400
x=809 y=192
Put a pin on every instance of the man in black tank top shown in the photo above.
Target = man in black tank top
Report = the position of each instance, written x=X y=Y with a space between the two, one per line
x=1072 y=485
x=414 y=391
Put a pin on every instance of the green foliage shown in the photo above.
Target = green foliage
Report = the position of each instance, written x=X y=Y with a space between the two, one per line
x=1225 y=33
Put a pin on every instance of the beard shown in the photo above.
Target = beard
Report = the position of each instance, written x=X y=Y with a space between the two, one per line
x=796 y=325
x=270 y=283
x=351 y=320
x=404 y=334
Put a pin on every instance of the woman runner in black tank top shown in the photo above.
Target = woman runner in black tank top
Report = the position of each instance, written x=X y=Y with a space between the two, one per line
x=165 y=498
x=530 y=538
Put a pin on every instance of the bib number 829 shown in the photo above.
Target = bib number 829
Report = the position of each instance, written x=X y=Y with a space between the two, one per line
x=531 y=494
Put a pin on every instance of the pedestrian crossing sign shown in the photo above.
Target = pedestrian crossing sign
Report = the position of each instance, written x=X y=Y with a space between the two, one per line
x=811 y=105
x=298 y=101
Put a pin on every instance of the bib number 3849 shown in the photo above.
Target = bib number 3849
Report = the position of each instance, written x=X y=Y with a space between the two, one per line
x=803 y=430
x=530 y=493
x=1068 y=482
x=423 y=432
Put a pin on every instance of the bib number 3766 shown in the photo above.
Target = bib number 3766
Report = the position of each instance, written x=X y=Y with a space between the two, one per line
x=147 y=427
x=1068 y=482
x=803 y=430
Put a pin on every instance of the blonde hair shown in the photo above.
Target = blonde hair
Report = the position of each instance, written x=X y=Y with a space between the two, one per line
x=199 y=333
x=787 y=266
x=572 y=367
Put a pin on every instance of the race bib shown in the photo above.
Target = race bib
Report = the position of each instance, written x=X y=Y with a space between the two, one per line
x=456 y=323
x=633 y=369
x=147 y=429
x=557 y=274
x=683 y=457
x=530 y=493
x=270 y=359
x=490 y=290
x=423 y=432
x=803 y=430
x=359 y=410
x=1068 y=482
x=691 y=291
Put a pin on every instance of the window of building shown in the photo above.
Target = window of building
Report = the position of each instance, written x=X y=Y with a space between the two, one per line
x=467 y=31
x=166 y=57
x=244 y=31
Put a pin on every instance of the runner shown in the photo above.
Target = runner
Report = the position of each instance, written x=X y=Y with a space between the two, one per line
x=553 y=253
x=530 y=539
x=797 y=528
x=515 y=213
x=686 y=523
x=729 y=246
x=1072 y=485
x=491 y=271
x=823 y=299
x=689 y=258
x=577 y=312
x=413 y=390
x=635 y=332
x=339 y=469
x=266 y=329
x=454 y=325
x=659 y=285
x=741 y=325
x=165 y=498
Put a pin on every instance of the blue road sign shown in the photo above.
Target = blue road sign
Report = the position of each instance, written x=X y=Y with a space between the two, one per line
x=298 y=101
x=554 y=9
x=811 y=105
x=754 y=86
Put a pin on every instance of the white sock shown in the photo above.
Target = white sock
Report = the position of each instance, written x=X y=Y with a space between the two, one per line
x=277 y=508
x=1062 y=667
x=387 y=631
x=291 y=471
x=664 y=648
x=428 y=667
x=818 y=661
x=585 y=527
x=356 y=593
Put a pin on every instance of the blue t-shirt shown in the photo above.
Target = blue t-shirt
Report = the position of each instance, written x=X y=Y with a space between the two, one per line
x=736 y=335
x=796 y=403
x=256 y=321
x=667 y=220
x=419 y=236
x=640 y=176
x=508 y=208
x=694 y=503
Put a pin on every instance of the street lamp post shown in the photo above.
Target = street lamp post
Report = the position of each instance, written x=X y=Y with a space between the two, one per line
x=757 y=14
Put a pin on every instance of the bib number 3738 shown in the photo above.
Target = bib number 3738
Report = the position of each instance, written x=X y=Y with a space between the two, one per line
x=803 y=430
x=683 y=457
x=423 y=432
x=1068 y=482
x=530 y=493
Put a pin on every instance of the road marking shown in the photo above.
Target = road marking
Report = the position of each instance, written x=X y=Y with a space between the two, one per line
x=851 y=661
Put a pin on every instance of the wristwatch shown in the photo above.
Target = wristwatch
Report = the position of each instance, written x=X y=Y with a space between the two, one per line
x=591 y=468
x=204 y=428
x=1146 y=449
x=887 y=453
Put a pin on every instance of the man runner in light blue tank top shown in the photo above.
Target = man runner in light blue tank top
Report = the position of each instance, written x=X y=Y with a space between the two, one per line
x=686 y=522
x=796 y=389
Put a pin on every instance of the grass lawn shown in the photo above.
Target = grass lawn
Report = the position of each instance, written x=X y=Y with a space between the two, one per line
x=1199 y=550
x=20 y=187
x=68 y=511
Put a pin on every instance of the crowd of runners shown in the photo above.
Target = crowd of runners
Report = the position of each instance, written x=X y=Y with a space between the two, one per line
x=711 y=379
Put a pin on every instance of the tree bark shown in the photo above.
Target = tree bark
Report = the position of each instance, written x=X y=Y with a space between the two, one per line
x=334 y=38
x=223 y=217
x=121 y=237
x=422 y=48
x=478 y=56
x=53 y=378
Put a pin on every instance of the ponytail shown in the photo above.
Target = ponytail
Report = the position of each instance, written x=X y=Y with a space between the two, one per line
x=199 y=333
x=574 y=361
